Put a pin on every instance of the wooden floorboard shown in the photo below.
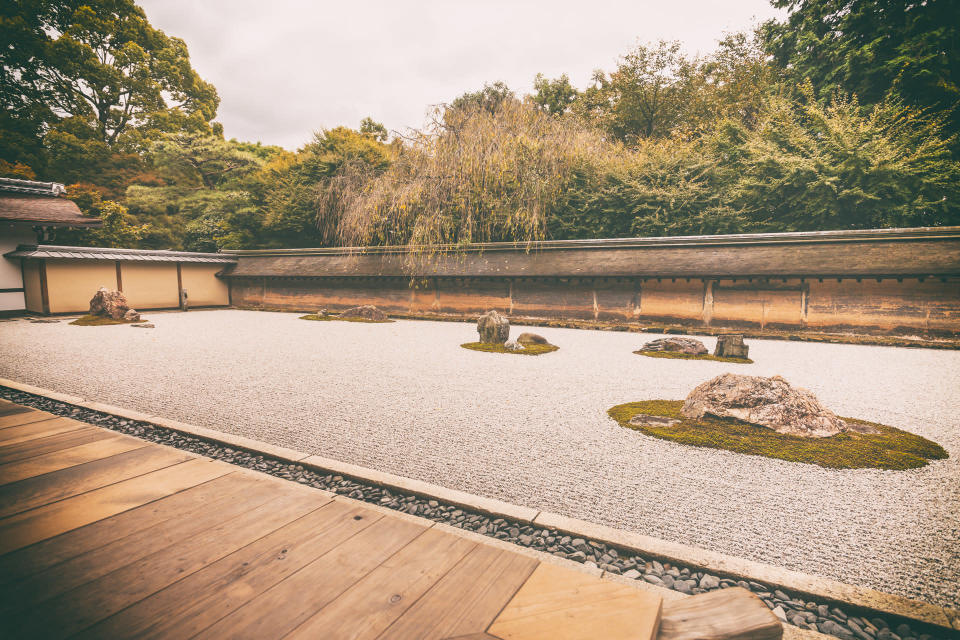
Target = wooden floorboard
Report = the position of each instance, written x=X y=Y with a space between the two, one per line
x=23 y=416
x=75 y=610
x=66 y=458
x=241 y=495
x=39 y=524
x=468 y=598
x=33 y=449
x=43 y=429
x=106 y=536
x=20 y=565
x=189 y=606
x=65 y=483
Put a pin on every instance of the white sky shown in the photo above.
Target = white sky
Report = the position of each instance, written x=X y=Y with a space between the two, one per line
x=287 y=68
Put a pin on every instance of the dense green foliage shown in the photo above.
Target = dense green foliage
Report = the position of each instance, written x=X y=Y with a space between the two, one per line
x=841 y=117
x=885 y=448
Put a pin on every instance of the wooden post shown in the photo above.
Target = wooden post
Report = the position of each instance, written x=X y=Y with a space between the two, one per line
x=119 y=277
x=44 y=293
x=707 y=315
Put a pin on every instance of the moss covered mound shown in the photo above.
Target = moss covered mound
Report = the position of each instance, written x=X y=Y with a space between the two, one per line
x=887 y=448
x=676 y=355
x=100 y=321
x=314 y=316
x=528 y=350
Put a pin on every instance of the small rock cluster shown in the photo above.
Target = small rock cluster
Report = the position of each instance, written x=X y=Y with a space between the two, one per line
x=790 y=609
x=366 y=312
x=674 y=344
x=494 y=328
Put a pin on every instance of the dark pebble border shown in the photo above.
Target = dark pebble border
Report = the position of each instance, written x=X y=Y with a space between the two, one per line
x=825 y=618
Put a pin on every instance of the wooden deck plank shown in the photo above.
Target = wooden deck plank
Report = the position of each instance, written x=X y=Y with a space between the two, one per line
x=34 y=448
x=76 y=610
x=287 y=604
x=466 y=600
x=26 y=562
x=66 y=458
x=234 y=501
x=559 y=604
x=367 y=608
x=58 y=485
x=39 y=524
x=720 y=615
x=25 y=432
x=191 y=605
x=22 y=415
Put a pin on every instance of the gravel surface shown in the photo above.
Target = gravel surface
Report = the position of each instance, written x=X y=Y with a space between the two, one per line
x=405 y=398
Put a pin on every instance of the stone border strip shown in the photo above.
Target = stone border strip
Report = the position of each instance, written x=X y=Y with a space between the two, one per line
x=701 y=559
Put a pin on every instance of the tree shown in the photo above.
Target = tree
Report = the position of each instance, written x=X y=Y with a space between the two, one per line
x=872 y=47
x=490 y=98
x=808 y=166
x=645 y=97
x=118 y=228
x=553 y=96
x=98 y=65
x=371 y=127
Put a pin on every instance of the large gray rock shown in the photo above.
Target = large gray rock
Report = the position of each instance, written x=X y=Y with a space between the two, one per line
x=768 y=402
x=493 y=328
x=731 y=346
x=676 y=345
x=109 y=304
x=367 y=312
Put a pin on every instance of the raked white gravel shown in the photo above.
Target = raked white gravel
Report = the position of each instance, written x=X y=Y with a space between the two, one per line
x=406 y=399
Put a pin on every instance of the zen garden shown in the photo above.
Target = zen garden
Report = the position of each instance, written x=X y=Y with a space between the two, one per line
x=668 y=349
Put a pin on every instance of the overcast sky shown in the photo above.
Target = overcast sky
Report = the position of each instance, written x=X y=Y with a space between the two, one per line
x=287 y=68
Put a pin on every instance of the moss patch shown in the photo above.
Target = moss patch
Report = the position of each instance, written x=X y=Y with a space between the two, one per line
x=887 y=448
x=100 y=321
x=676 y=355
x=528 y=350
x=314 y=316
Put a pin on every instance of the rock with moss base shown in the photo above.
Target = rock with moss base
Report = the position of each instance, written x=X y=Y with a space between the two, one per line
x=493 y=328
x=367 y=312
x=531 y=338
x=767 y=402
x=108 y=303
x=689 y=346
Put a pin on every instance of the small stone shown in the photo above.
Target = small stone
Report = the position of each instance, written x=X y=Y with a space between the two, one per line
x=780 y=595
x=903 y=630
x=709 y=582
x=633 y=574
x=652 y=579
x=131 y=316
x=43 y=320
x=683 y=586
x=831 y=628
x=778 y=611
x=143 y=325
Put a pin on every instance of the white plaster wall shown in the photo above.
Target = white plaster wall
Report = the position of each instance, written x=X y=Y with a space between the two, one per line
x=12 y=235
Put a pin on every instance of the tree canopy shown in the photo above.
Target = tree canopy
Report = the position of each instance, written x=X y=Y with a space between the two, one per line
x=842 y=116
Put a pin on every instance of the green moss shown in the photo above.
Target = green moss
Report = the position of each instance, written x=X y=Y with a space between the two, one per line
x=676 y=355
x=99 y=321
x=314 y=316
x=528 y=350
x=888 y=448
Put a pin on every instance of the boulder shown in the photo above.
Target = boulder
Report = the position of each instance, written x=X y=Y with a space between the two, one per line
x=109 y=304
x=531 y=338
x=513 y=346
x=731 y=346
x=131 y=316
x=676 y=345
x=767 y=402
x=367 y=312
x=493 y=328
